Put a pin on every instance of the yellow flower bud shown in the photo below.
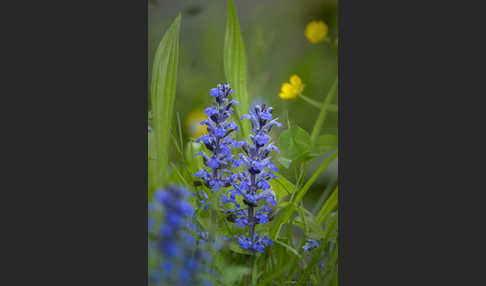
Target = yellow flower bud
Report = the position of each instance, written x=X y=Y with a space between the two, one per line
x=316 y=31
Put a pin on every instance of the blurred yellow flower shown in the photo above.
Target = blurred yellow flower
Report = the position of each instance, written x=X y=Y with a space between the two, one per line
x=292 y=89
x=316 y=31
x=193 y=126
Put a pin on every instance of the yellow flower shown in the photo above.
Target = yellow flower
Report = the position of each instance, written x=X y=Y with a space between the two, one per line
x=316 y=31
x=296 y=82
x=193 y=126
x=292 y=89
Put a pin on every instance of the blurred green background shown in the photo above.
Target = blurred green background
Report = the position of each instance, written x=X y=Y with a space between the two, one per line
x=276 y=48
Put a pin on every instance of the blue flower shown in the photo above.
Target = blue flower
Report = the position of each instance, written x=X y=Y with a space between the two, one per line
x=262 y=217
x=241 y=220
x=310 y=244
x=262 y=139
x=179 y=259
x=258 y=244
x=210 y=111
x=229 y=197
x=203 y=235
x=217 y=141
x=244 y=242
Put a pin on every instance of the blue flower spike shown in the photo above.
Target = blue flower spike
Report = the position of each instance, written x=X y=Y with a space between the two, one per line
x=217 y=141
x=178 y=261
x=253 y=184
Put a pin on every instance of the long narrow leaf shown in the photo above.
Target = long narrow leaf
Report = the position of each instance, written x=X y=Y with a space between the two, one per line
x=163 y=87
x=313 y=178
x=151 y=162
x=328 y=206
x=290 y=248
x=235 y=65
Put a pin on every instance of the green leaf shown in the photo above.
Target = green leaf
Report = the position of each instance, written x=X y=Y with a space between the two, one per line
x=235 y=66
x=287 y=212
x=281 y=187
x=232 y=274
x=325 y=142
x=162 y=92
x=293 y=142
x=294 y=145
x=309 y=224
x=236 y=248
x=285 y=162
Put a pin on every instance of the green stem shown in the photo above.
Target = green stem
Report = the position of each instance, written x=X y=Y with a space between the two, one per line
x=322 y=114
x=310 y=101
x=294 y=201
x=317 y=104
x=313 y=178
x=332 y=107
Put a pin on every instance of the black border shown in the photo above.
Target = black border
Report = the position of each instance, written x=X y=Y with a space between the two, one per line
x=77 y=156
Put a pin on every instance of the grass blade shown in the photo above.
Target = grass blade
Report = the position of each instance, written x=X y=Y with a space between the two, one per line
x=328 y=206
x=325 y=194
x=289 y=248
x=162 y=92
x=235 y=66
x=331 y=225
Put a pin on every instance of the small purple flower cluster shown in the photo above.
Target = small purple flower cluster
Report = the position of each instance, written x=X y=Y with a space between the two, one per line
x=253 y=183
x=171 y=246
